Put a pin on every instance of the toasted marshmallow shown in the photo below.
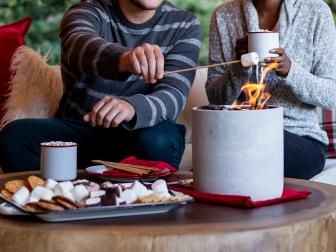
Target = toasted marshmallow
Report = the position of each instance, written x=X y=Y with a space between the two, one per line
x=250 y=59
x=63 y=187
x=21 y=196
x=80 y=193
x=95 y=194
x=129 y=196
x=160 y=186
x=40 y=192
x=50 y=184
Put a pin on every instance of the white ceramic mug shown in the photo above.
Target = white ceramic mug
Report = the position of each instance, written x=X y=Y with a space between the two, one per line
x=262 y=43
x=59 y=160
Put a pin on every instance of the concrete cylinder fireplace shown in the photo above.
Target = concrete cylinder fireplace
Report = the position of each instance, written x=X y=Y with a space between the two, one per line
x=239 y=152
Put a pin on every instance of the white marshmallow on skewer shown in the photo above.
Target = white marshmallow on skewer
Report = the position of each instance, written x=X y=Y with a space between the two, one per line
x=21 y=196
x=160 y=186
x=50 y=183
x=250 y=59
x=63 y=187
x=79 y=192
x=40 y=192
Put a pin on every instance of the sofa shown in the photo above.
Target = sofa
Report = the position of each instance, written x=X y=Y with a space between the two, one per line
x=197 y=98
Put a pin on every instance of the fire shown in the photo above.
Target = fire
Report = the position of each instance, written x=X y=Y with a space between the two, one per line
x=256 y=93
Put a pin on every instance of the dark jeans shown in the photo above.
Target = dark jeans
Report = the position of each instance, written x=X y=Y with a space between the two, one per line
x=20 y=142
x=304 y=156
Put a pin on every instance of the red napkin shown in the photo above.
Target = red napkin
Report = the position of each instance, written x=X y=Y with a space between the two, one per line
x=163 y=166
x=243 y=201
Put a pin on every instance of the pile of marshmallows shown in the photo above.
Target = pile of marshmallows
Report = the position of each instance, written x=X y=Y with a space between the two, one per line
x=90 y=193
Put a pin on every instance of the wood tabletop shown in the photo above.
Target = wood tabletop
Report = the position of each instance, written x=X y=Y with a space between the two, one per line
x=304 y=225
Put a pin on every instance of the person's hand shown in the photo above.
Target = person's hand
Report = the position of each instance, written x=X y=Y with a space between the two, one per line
x=241 y=47
x=110 y=112
x=146 y=60
x=283 y=60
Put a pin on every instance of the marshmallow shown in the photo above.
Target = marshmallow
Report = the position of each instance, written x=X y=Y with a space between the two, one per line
x=163 y=195
x=145 y=193
x=63 y=187
x=69 y=196
x=50 y=184
x=106 y=184
x=250 y=59
x=40 y=192
x=95 y=194
x=138 y=188
x=32 y=199
x=80 y=192
x=21 y=196
x=160 y=186
x=92 y=201
x=129 y=196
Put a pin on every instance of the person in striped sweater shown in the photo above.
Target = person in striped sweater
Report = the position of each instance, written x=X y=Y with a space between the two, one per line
x=117 y=100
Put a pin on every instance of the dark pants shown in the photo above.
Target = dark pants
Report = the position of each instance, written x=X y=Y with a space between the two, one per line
x=20 y=142
x=304 y=157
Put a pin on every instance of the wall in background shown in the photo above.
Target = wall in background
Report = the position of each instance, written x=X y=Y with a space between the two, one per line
x=48 y=13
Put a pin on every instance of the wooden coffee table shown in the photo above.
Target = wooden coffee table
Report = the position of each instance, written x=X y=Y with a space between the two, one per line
x=305 y=225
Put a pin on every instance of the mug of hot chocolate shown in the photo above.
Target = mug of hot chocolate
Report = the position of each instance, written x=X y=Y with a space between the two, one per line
x=59 y=160
x=262 y=42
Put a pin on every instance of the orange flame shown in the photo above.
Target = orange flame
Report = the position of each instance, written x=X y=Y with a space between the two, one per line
x=256 y=94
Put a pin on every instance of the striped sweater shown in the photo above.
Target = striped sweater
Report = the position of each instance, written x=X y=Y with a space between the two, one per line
x=94 y=34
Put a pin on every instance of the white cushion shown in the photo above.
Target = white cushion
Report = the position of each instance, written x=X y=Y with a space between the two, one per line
x=328 y=175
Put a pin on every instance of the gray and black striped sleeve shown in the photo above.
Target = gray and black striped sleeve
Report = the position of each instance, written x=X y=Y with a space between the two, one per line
x=83 y=49
x=168 y=97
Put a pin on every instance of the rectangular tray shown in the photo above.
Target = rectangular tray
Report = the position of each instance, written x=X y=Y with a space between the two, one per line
x=98 y=212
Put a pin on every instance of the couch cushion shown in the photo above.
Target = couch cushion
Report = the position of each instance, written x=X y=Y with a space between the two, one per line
x=11 y=37
x=327 y=120
x=35 y=89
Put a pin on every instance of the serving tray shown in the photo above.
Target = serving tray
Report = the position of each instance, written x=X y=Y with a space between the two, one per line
x=89 y=213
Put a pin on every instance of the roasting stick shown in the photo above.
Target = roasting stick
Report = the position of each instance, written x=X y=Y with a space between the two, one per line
x=249 y=59
x=122 y=168
x=127 y=167
x=201 y=67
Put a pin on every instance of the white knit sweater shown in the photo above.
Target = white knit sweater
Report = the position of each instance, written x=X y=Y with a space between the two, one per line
x=307 y=32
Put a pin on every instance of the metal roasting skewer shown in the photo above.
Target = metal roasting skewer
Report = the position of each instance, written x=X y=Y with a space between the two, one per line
x=201 y=67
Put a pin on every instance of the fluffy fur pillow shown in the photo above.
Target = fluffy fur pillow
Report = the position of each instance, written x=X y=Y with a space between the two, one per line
x=36 y=87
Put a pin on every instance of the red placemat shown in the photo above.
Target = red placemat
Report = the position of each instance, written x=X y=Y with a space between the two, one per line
x=242 y=201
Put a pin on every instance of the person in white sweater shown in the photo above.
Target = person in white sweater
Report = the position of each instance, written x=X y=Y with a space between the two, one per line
x=304 y=80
